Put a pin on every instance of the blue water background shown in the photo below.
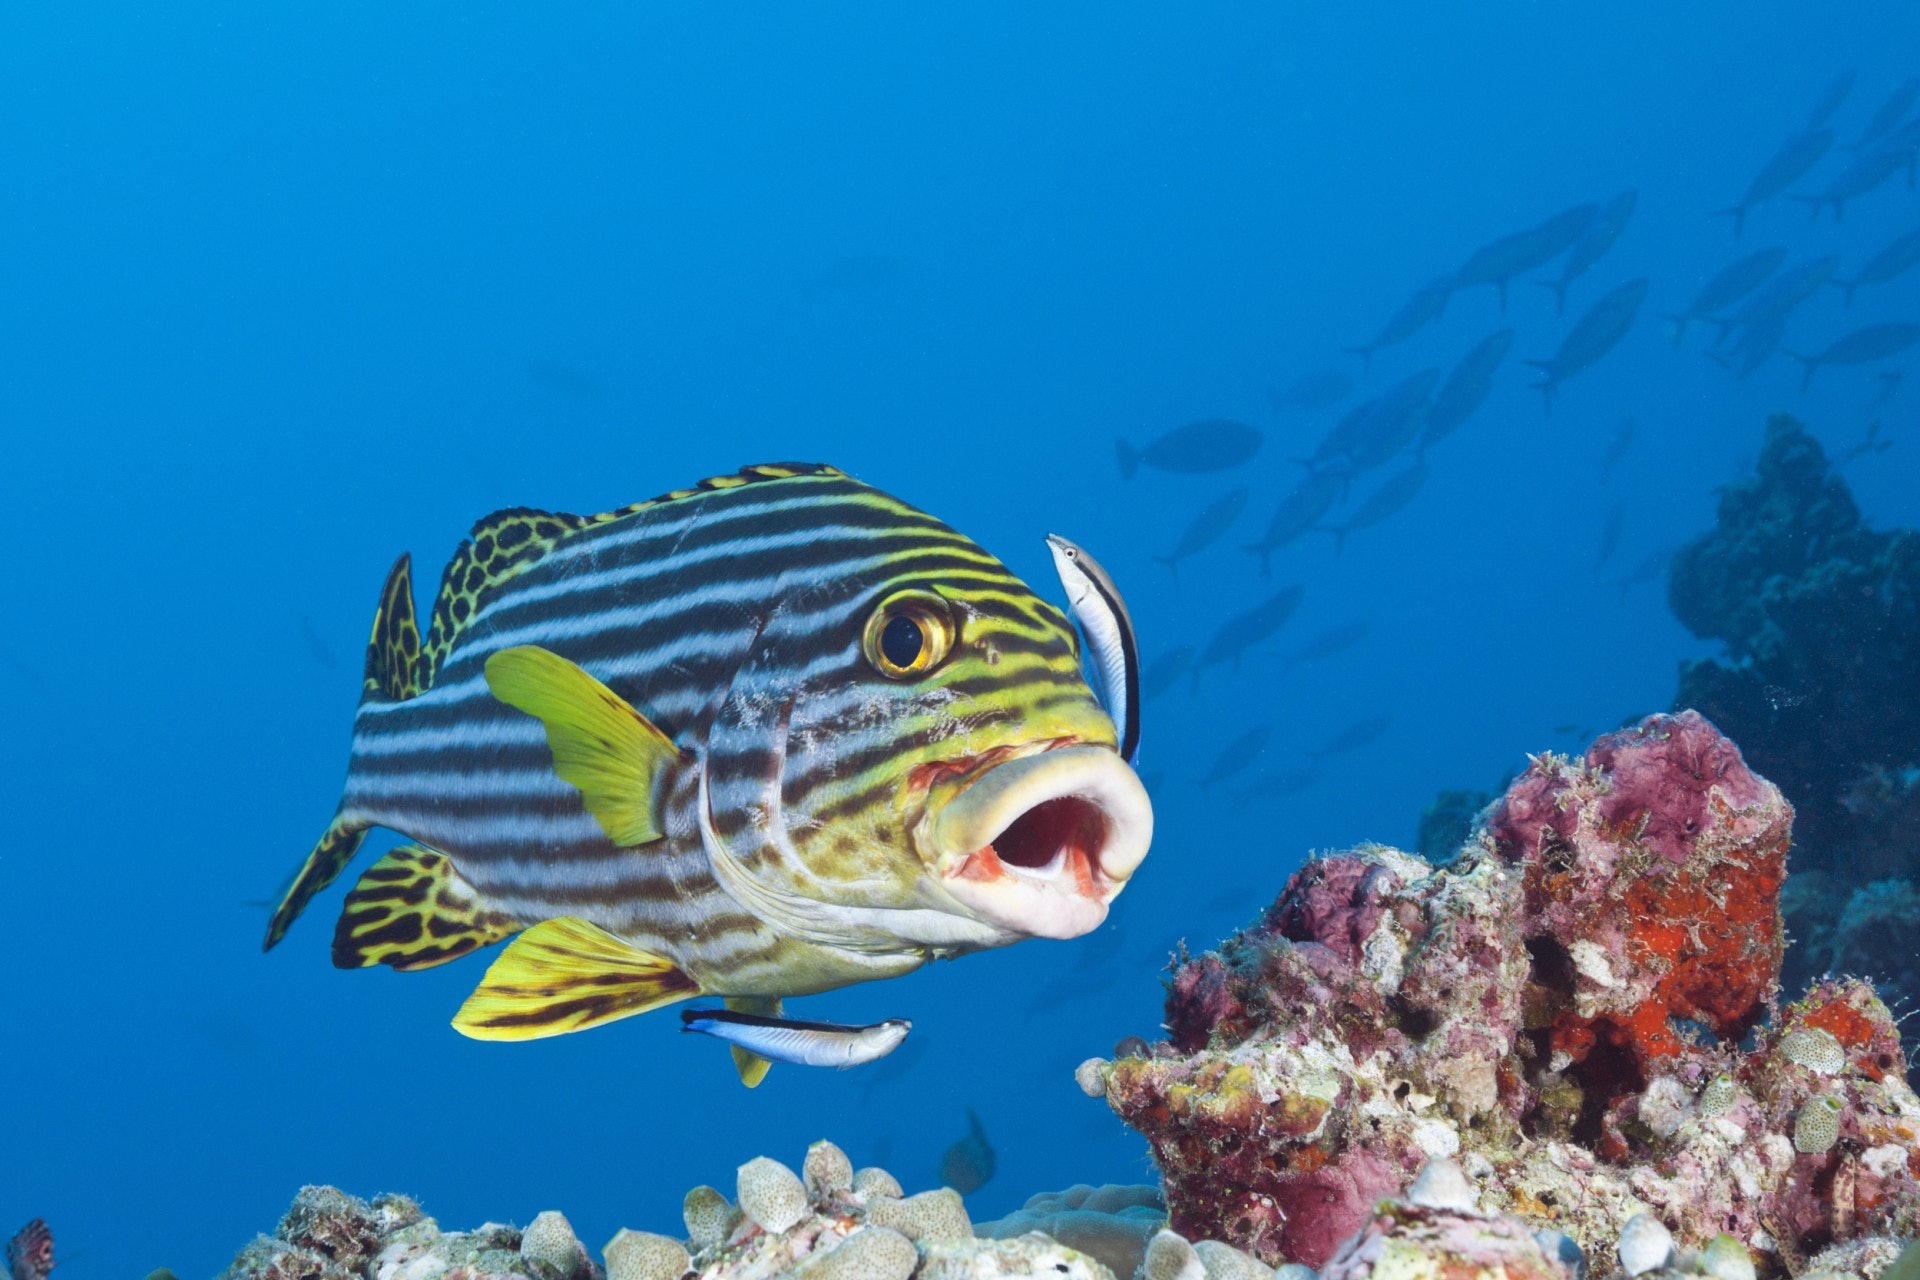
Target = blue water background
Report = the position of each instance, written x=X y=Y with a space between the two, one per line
x=284 y=292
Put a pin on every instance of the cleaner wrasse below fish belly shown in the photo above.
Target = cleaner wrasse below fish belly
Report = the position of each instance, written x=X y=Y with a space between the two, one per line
x=767 y=736
x=806 y=1044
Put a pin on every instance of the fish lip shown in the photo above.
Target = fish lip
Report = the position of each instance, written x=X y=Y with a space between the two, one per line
x=1066 y=895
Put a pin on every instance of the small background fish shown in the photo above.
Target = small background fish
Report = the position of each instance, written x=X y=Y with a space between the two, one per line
x=968 y=1164
x=30 y=1252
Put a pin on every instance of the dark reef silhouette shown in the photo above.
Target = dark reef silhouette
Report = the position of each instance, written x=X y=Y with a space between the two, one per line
x=1820 y=684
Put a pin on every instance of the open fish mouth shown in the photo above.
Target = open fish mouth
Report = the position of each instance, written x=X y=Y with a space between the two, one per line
x=1040 y=844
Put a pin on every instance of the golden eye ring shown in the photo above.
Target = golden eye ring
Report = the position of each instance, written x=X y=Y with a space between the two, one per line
x=909 y=634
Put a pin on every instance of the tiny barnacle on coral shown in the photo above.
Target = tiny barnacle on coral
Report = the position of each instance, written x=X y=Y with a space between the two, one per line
x=709 y=1215
x=771 y=1194
x=1718 y=1097
x=641 y=1255
x=1814 y=1049
x=1442 y=1185
x=1087 y=1076
x=1170 y=1257
x=876 y=1253
x=551 y=1248
x=1645 y=1244
x=1725 y=1258
x=826 y=1171
x=931 y=1215
x=1817 y=1126
x=873 y=1181
x=1110 y=1223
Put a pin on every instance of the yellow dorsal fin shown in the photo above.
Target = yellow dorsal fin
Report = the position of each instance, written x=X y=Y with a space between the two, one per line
x=411 y=910
x=567 y=975
x=393 y=670
x=752 y=1067
x=610 y=752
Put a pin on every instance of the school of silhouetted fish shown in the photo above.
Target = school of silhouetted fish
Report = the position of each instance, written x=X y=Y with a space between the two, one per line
x=1378 y=453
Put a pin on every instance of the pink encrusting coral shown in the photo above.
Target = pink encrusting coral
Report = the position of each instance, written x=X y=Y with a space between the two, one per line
x=1568 y=1010
x=1652 y=874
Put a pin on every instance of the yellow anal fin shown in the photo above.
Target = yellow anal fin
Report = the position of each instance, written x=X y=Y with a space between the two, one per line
x=615 y=756
x=411 y=910
x=393 y=670
x=567 y=975
x=328 y=859
x=752 y=1067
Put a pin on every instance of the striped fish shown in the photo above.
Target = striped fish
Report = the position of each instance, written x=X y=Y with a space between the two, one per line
x=764 y=737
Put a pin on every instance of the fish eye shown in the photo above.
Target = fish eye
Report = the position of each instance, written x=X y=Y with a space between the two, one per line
x=908 y=635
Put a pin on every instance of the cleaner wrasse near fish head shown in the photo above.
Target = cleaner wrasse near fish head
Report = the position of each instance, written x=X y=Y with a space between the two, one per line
x=767 y=736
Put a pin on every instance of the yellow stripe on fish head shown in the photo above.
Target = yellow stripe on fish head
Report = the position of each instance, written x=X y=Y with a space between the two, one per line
x=910 y=759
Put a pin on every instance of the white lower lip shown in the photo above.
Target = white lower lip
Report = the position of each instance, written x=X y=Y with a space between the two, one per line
x=1049 y=901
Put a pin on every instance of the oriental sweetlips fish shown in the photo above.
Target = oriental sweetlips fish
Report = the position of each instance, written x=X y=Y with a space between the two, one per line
x=768 y=736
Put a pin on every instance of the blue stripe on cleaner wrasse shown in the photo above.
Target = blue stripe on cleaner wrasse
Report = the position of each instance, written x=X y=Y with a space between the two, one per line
x=766 y=736
x=807 y=1044
x=1103 y=620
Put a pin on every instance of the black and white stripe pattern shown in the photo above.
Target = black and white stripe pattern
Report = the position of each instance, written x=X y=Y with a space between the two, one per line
x=732 y=618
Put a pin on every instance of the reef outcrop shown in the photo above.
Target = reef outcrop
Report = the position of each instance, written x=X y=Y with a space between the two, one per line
x=828 y=1221
x=1820 y=615
x=1580 y=1010
x=1111 y=1223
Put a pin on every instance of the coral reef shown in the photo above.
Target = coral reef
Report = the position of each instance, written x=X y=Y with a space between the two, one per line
x=827 y=1222
x=1408 y=1240
x=1111 y=1223
x=830 y=1221
x=1576 y=1010
x=1447 y=823
x=1820 y=615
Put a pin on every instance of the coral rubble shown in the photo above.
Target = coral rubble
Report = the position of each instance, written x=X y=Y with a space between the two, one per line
x=1407 y=1240
x=1111 y=1223
x=827 y=1222
x=1820 y=615
x=1577 y=1010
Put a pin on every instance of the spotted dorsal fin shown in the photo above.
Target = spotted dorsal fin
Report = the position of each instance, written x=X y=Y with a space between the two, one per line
x=412 y=910
x=393 y=651
x=567 y=975
x=507 y=542
x=497 y=548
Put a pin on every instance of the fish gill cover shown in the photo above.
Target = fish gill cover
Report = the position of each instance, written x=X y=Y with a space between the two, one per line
x=289 y=293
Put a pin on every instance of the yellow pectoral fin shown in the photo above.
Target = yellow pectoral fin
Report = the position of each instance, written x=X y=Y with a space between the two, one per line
x=752 y=1067
x=615 y=756
x=411 y=910
x=567 y=975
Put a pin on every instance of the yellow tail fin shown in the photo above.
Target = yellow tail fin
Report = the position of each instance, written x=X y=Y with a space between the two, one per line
x=411 y=910
x=612 y=753
x=567 y=975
